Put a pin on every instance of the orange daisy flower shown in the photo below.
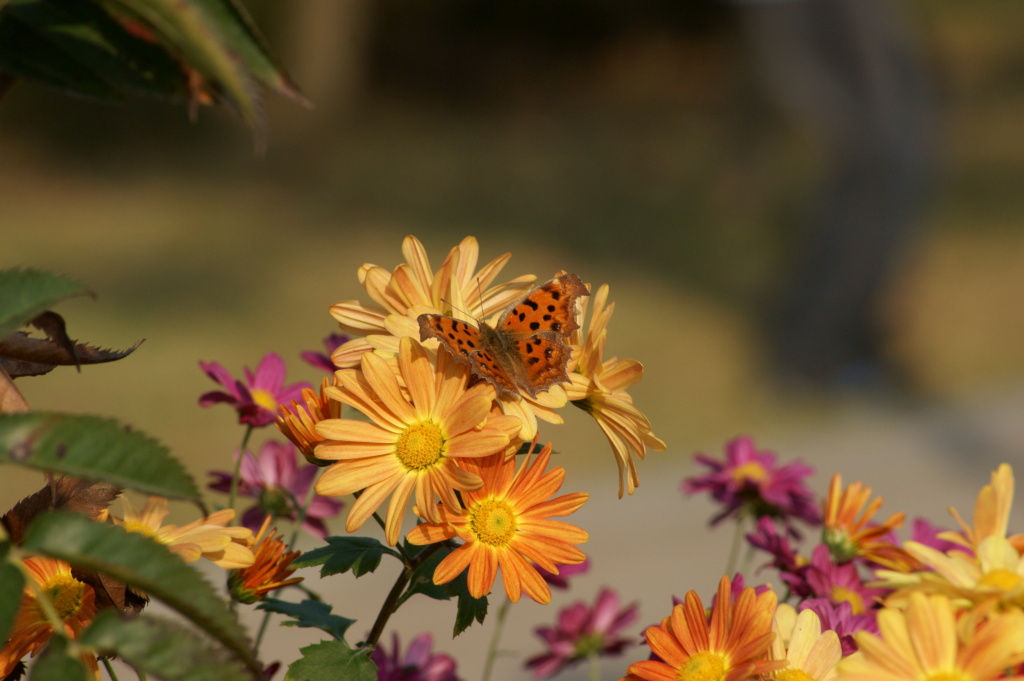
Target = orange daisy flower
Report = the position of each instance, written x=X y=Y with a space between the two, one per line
x=848 y=535
x=991 y=513
x=734 y=646
x=73 y=600
x=207 y=537
x=506 y=524
x=298 y=423
x=599 y=388
x=423 y=419
x=271 y=571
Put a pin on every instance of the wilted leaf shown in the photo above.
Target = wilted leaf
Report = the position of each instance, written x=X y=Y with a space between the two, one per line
x=330 y=661
x=94 y=448
x=69 y=494
x=22 y=355
x=11 y=399
x=311 y=614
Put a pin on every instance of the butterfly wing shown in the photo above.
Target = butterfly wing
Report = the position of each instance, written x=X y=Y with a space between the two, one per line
x=467 y=345
x=544 y=357
x=549 y=307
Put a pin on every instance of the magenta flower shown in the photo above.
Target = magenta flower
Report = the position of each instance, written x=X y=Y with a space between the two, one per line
x=419 y=663
x=256 y=398
x=279 y=486
x=561 y=580
x=748 y=483
x=840 y=583
x=319 y=360
x=923 y=532
x=583 y=632
x=840 y=619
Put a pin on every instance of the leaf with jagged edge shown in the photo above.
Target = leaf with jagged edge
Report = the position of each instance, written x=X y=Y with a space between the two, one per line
x=330 y=661
x=26 y=293
x=144 y=564
x=11 y=582
x=161 y=648
x=94 y=448
x=358 y=554
x=311 y=614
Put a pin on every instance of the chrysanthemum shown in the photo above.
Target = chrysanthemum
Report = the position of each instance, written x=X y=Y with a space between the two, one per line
x=849 y=531
x=839 y=617
x=924 y=643
x=274 y=478
x=207 y=537
x=271 y=571
x=810 y=653
x=991 y=513
x=412 y=289
x=583 y=632
x=506 y=524
x=255 y=398
x=598 y=387
x=298 y=422
x=418 y=663
x=790 y=565
x=840 y=582
x=73 y=601
x=423 y=419
x=749 y=483
x=732 y=647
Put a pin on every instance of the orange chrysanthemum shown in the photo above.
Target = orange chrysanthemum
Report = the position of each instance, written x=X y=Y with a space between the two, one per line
x=207 y=537
x=74 y=602
x=271 y=571
x=991 y=513
x=423 y=420
x=298 y=423
x=847 y=530
x=733 y=647
x=599 y=388
x=506 y=524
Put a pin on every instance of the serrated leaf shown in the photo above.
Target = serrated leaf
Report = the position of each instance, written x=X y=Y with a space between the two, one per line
x=358 y=554
x=25 y=293
x=469 y=610
x=422 y=580
x=54 y=664
x=94 y=448
x=144 y=564
x=161 y=648
x=330 y=661
x=11 y=583
x=311 y=614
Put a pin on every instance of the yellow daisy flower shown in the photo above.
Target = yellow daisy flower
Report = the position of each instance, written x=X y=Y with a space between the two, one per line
x=599 y=388
x=298 y=423
x=924 y=643
x=810 y=653
x=209 y=537
x=506 y=524
x=423 y=419
x=73 y=600
x=991 y=513
x=848 y=530
x=732 y=647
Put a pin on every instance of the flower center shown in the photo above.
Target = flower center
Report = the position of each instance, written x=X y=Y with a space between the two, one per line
x=840 y=544
x=263 y=399
x=493 y=522
x=588 y=644
x=751 y=471
x=420 y=446
x=66 y=593
x=790 y=674
x=841 y=593
x=1001 y=578
x=703 y=666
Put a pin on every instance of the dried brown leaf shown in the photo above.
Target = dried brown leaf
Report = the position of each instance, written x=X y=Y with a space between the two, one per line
x=22 y=355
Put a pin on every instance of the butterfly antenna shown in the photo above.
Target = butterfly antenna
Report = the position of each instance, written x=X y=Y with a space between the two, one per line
x=459 y=309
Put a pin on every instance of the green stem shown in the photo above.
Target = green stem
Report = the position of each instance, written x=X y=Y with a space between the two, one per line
x=110 y=669
x=233 y=492
x=492 y=648
x=394 y=597
x=734 y=551
x=595 y=666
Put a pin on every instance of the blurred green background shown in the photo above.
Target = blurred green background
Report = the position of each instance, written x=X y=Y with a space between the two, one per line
x=627 y=142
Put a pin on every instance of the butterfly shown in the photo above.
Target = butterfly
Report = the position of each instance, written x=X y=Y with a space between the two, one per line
x=526 y=351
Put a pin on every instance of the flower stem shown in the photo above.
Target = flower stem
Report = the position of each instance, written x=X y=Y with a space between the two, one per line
x=233 y=492
x=595 y=666
x=110 y=669
x=492 y=648
x=394 y=597
x=734 y=551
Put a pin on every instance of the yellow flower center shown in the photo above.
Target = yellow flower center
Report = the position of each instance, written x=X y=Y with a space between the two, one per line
x=66 y=593
x=136 y=526
x=841 y=593
x=752 y=471
x=420 y=446
x=703 y=666
x=264 y=399
x=493 y=522
x=1001 y=578
x=791 y=674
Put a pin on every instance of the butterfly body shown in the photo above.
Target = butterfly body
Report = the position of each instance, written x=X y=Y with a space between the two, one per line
x=526 y=350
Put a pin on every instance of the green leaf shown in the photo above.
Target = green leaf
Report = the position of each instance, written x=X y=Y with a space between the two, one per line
x=94 y=448
x=161 y=648
x=25 y=293
x=309 y=613
x=358 y=554
x=55 y=664
x=11 y=582
x=469 y=609
x=330 y=661
x=142 y=563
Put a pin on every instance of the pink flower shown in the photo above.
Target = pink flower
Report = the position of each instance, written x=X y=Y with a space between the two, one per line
x=840 y=583
x=748 y=483
x=840 y=619
x=256 y=398
x=583 y=632
x=561 y=580
x=923 y=532
x=784 y=558
x=319 y=360
x=280 y=488
x=419 y=663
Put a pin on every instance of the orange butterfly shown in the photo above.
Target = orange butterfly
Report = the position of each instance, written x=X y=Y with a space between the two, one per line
x=526 y=351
